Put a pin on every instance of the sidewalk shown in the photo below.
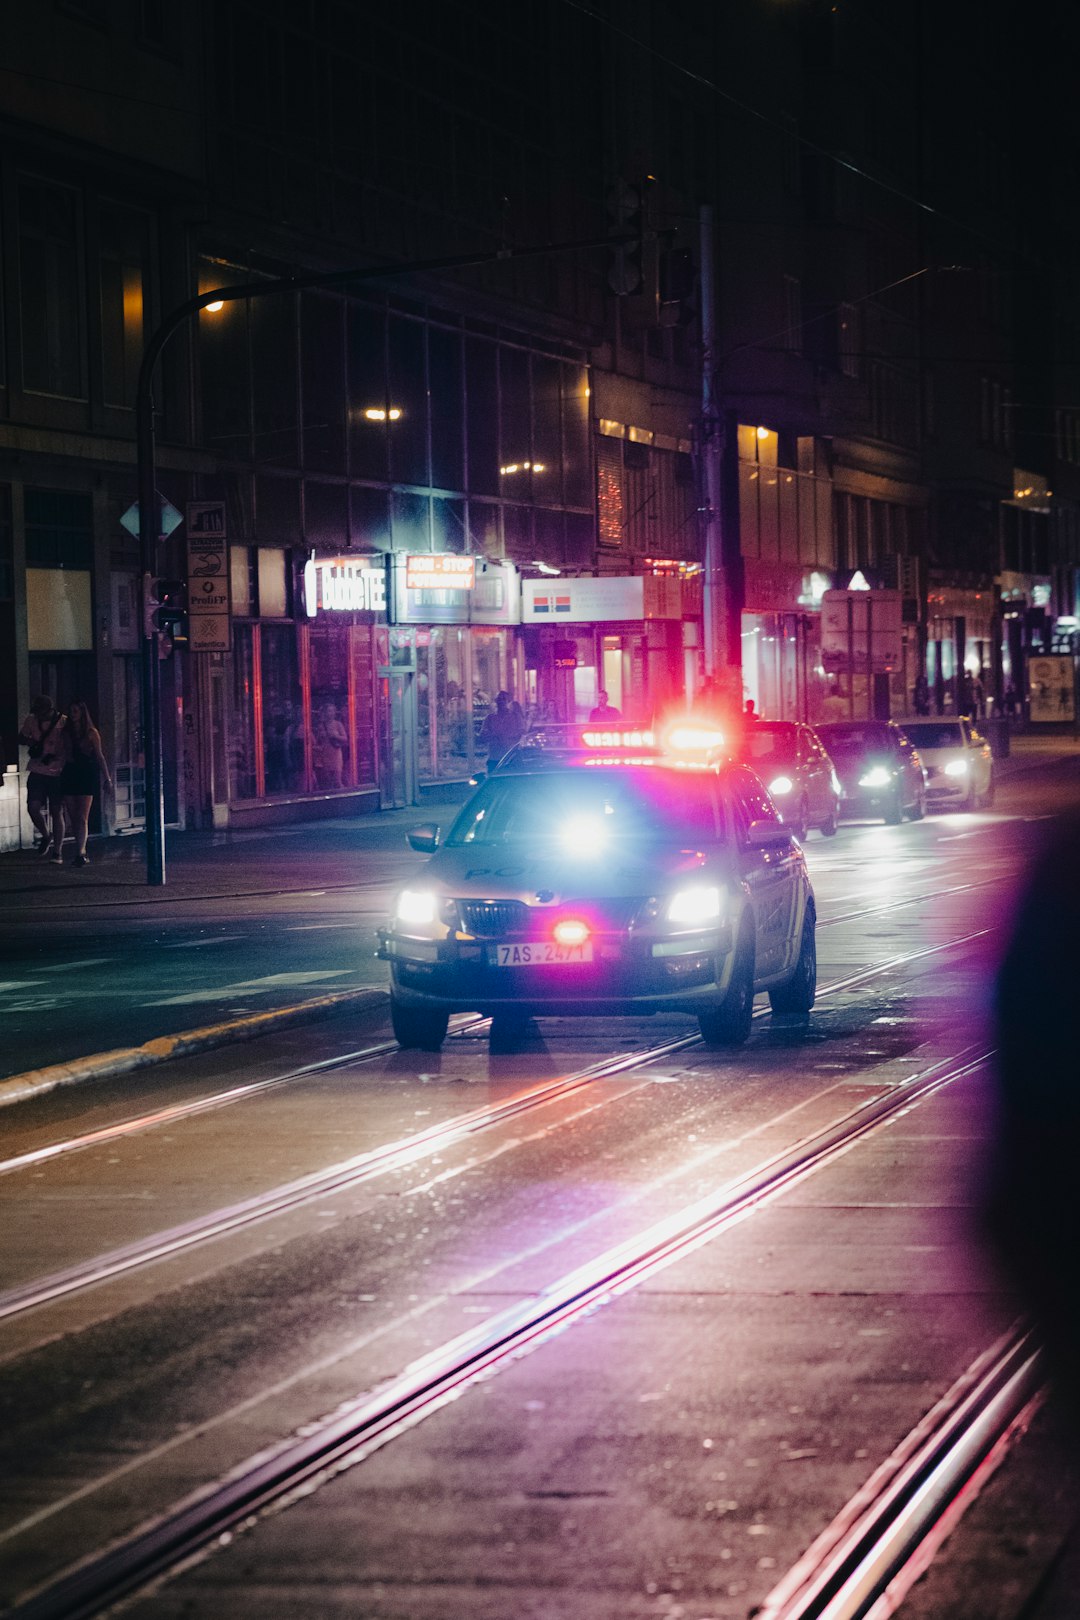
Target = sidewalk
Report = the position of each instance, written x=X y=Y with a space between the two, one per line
x=204 y=865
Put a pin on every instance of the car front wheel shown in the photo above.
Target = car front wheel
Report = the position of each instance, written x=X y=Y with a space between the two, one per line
x=831 y=823
x=797 y=995
x=729 y=1024
x=422 y=1028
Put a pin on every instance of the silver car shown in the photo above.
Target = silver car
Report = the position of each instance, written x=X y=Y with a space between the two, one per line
x=595 y=887
x=958 y=762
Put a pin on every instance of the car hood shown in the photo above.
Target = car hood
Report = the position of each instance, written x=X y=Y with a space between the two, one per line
x=631 y=871
x=850 y=766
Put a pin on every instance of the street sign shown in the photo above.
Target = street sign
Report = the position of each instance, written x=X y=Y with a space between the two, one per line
x=168 y=518
x=209 y=619
x=861 y=631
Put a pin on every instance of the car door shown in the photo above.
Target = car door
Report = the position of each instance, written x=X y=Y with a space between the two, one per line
x=818 y=790
x=770 y=874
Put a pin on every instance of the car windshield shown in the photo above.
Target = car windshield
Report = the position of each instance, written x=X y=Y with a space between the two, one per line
x=936 y=733
x=770 y=745
x=853 y=737
x=588 y=807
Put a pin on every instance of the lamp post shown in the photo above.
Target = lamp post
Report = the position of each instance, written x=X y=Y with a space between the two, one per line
x=215 y=298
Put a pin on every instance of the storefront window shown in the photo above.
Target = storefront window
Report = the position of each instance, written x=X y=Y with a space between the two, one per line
x=282 y=710
x=442 y=697
x=242 y=728
x=329 y=704
x=362 y=699
x=492 y=671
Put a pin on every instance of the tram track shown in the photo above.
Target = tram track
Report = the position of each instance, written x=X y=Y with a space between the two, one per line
x=177 y=1113
x=385 y=1159
x=862 y=1553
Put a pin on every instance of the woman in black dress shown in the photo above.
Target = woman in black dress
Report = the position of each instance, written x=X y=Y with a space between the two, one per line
x=80 y=781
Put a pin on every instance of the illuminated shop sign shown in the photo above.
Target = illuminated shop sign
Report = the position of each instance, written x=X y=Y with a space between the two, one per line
x=440 y=571
x=344 y=585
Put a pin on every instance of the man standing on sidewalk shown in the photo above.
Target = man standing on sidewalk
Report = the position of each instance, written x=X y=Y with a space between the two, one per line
x=44 y=733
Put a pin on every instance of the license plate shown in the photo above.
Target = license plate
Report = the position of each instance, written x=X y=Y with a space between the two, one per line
x=540 y=953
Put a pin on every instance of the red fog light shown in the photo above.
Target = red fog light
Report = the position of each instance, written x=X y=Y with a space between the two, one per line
x=571 y=931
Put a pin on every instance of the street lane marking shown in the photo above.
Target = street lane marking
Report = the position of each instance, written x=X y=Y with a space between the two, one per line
x=257 y=987
x=195 y=944
x=83 y=962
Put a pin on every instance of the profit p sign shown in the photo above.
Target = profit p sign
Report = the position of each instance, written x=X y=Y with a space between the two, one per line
x=209 y=620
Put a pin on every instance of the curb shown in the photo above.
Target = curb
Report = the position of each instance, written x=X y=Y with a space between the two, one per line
x=122 y=1059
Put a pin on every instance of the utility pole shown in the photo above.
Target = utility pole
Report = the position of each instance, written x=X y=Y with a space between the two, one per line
x=713 y=595
x=722 y=605
x=146 y=475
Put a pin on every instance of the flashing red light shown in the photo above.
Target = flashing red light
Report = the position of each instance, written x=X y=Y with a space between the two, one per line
x=688 y=738
x=570 y=931
x=636 y=738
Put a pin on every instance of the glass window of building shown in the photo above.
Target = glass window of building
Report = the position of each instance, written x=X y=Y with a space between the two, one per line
x=576 y=449
x=411 y=522
x=369 y=406
x=407 y=424
x=242 y=720
x=443 y=703
x=547 y=431
x=275 y=404
x=515 y=425
x=282 y=708
x=322 y=379
x=273 y=595
x=50 y=323
x=329 y=662
x=482 y=394
x=240 y=581
x=225 y=393
x=369 y=518
x=123 y=237
x=447 y=409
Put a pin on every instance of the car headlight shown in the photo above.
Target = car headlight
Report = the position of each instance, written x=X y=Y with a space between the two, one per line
x=700 y=904
x=956 y=767
x=416 y=906
x=782 y=785
x=876 y=776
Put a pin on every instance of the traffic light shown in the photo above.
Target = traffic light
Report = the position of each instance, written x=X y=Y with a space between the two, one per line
x=165 y=609
x=677 y=285
x=626 y=216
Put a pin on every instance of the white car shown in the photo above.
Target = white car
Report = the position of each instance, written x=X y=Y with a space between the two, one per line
x=958 y=761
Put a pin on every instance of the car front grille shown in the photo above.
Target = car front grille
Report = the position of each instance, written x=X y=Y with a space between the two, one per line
x=495 y=919
x=489 y=919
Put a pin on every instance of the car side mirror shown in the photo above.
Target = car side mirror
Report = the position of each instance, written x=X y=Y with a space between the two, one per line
x=477 y=777
x=767 y=834
x=424 y=839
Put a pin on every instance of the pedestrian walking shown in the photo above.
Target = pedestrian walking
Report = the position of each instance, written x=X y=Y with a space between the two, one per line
x=81 y=780
x=44 y=733
x=920 y=697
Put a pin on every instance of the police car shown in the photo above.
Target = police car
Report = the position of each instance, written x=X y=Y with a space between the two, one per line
x=617 y=878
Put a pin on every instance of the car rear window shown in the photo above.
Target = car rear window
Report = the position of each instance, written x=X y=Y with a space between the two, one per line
x=768 y=744
x=850 y=737
x=666 y=806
